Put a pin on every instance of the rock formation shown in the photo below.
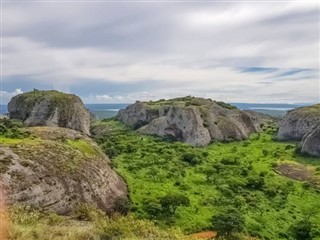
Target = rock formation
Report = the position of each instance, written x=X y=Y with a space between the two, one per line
x=57 y=168
x=311 y=142
x=303 y=124
x=298 y=122
x=50 y=108
x=196 y=121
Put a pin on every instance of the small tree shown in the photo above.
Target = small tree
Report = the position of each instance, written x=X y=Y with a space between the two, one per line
x=171 y=202
x=302 y=230
x=228 y=223
x=122 y=205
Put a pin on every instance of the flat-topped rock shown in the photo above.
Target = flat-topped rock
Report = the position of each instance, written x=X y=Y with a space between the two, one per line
x=50 y=108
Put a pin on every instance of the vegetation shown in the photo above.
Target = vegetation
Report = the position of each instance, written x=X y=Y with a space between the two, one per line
x=187 y=101
x=228 y=223
x=12 y=129
x=235 y=188
x=212 y=180
x=29 y=224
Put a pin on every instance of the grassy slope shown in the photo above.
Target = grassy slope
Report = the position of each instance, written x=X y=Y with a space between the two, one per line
x=28 y=224
x=153 y=168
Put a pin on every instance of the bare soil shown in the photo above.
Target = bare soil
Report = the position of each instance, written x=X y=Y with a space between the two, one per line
x=298 y=172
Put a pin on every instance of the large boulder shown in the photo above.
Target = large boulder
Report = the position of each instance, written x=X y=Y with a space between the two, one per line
x=50 y=108
x=56 y=169
x=196 y=121
x=311 y=142
x=299 y=122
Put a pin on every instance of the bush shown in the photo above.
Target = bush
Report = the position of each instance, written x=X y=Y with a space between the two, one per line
x=191 y=158
x=302 y=230
x=228 y=223
x=122 y=205
x=171 y=202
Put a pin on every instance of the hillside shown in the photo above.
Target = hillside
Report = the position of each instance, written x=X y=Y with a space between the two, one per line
x=271 y=186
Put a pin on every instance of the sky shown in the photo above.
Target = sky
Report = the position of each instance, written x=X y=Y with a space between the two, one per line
x=120 y=52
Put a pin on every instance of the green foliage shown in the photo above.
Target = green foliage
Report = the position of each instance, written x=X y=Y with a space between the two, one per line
x=226 y=105
x=303 y=230
x=12 y=129
x=171 y=202
x=30 y=224
x=229 y=175
x=191 y=158
x=228 y=223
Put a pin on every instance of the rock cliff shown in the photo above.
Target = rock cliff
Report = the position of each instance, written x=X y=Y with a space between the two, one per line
x=50 y=108
x=193 y=120
x=311 y=142
x=298 y=122
x=57 y=168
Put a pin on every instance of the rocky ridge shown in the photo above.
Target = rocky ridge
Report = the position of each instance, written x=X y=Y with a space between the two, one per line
x=196 y=121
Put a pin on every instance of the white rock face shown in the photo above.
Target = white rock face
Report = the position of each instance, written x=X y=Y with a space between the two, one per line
x=299 y=122
x=50 y=174
x=50 y=108
x=183 y=124
x=197 y=124
x=311 y=142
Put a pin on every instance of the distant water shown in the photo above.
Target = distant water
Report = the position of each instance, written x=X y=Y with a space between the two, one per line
x=110 y=110
x=275 y=110
x=102 y=111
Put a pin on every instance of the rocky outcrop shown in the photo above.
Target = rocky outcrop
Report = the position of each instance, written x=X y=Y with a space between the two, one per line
x=196 y=121
x=57 y=168
x=299 y=122
x=311 y=142
x=50 y=108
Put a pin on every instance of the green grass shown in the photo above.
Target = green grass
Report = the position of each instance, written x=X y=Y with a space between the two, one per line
x=4 y=141
x=29 y=224
x=83 y=146
x=238 y=174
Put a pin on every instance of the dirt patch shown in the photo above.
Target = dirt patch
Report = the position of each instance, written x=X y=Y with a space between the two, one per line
x=298 y=172
x=204 y=235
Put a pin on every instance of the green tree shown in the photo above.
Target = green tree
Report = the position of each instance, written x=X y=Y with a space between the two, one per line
x=171 y=202
x=302 y=230
x=228 y=222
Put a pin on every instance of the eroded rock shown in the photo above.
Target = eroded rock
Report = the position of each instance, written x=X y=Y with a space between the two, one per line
x=50 y=108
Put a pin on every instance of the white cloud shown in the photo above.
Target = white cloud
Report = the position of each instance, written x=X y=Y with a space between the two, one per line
x=192 y=49
x=6 y=96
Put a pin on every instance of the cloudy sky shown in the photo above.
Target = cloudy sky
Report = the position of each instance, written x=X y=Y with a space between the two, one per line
x=123 y=51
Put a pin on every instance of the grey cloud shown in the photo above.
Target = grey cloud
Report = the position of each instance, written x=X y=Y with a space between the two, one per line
x=165 y=48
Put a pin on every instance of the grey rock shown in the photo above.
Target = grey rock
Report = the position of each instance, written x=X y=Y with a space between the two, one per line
x=311 y=142
x=296 y=123
x=51 y=174
x=193 y=120
x=50 y=108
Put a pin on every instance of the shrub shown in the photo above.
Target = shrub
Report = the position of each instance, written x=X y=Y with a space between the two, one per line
x=122 y=205
x=228 y=223
x=171 y=202
x=302 y=230
x=191 y=158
